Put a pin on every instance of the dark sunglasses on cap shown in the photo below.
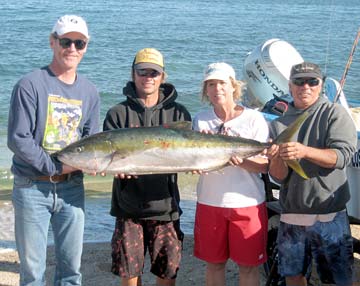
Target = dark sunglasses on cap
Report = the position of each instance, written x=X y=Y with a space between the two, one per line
x=147 y=73
x=66 y=43
x=310 y=81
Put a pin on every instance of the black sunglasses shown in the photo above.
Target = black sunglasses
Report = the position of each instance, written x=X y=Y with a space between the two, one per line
x=310 y=81
x=147 y=73
x=66 y=43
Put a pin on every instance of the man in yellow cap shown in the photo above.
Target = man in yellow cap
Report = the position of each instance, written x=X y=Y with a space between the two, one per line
x=146 y=207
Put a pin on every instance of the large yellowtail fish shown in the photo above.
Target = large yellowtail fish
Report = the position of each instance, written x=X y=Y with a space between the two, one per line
x=164 y=149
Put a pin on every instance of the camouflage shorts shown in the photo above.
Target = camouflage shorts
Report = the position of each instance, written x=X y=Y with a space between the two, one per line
x=132 y=238
x=329 y=243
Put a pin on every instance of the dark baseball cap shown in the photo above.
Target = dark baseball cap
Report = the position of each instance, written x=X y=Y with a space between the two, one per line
x=305 y=69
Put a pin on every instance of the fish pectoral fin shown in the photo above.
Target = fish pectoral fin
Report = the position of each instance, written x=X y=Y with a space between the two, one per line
x=295 y=165
x=123 y=154
x=102 y=163
x=119 y=156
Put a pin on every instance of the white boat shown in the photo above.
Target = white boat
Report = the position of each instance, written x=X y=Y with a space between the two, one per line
x=266 y=72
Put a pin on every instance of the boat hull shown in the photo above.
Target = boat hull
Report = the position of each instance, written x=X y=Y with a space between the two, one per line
x=353 y=175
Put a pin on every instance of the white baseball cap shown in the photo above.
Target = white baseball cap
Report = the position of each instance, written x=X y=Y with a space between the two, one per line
x=220 y=71
x=70 y=23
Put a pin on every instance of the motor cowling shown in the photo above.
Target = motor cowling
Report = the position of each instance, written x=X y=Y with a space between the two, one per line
x=266 y=72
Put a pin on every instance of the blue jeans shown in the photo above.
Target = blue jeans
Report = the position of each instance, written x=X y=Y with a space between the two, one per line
x=36 y=205
x=328 y=243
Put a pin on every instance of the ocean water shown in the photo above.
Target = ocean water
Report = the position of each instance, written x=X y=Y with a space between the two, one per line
x=190 y=34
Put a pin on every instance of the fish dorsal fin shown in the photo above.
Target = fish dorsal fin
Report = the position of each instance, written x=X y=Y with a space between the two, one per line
x=178 y=125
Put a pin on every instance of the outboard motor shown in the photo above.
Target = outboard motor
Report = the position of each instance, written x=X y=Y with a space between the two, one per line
x=266 y=72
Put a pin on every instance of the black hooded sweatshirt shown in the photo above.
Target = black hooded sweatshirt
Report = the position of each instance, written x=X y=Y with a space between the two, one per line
x=157 y=196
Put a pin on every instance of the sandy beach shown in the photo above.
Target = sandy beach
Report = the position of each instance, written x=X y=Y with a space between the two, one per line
x=96 y=267
x=96 y=259
x=96 y=264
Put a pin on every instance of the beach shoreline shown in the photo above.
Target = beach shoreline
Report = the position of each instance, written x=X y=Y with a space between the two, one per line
x=96 y=258
x=99 y=224
x=96 y=265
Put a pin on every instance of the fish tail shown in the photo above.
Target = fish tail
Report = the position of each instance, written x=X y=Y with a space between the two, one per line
x=286 y=136
x=289 y=132
x=295 y=165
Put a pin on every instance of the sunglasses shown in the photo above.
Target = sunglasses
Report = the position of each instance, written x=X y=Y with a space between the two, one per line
x=310 y=81
x=66 y=43
x=147 y=73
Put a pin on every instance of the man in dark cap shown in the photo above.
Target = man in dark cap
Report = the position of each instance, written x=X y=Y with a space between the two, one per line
x=314 y=222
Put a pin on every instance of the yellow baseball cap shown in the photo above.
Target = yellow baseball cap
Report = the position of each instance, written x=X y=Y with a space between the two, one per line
x=149 y=58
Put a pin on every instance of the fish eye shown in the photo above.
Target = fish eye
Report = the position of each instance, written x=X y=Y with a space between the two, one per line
x=79 y=149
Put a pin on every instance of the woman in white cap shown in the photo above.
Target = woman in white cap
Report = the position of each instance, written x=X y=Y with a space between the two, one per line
x=231 y=216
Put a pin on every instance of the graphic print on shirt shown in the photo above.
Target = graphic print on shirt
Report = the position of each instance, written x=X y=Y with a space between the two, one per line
x=63 y=119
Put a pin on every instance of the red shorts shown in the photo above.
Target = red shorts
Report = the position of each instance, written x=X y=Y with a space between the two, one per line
x=223 y=233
